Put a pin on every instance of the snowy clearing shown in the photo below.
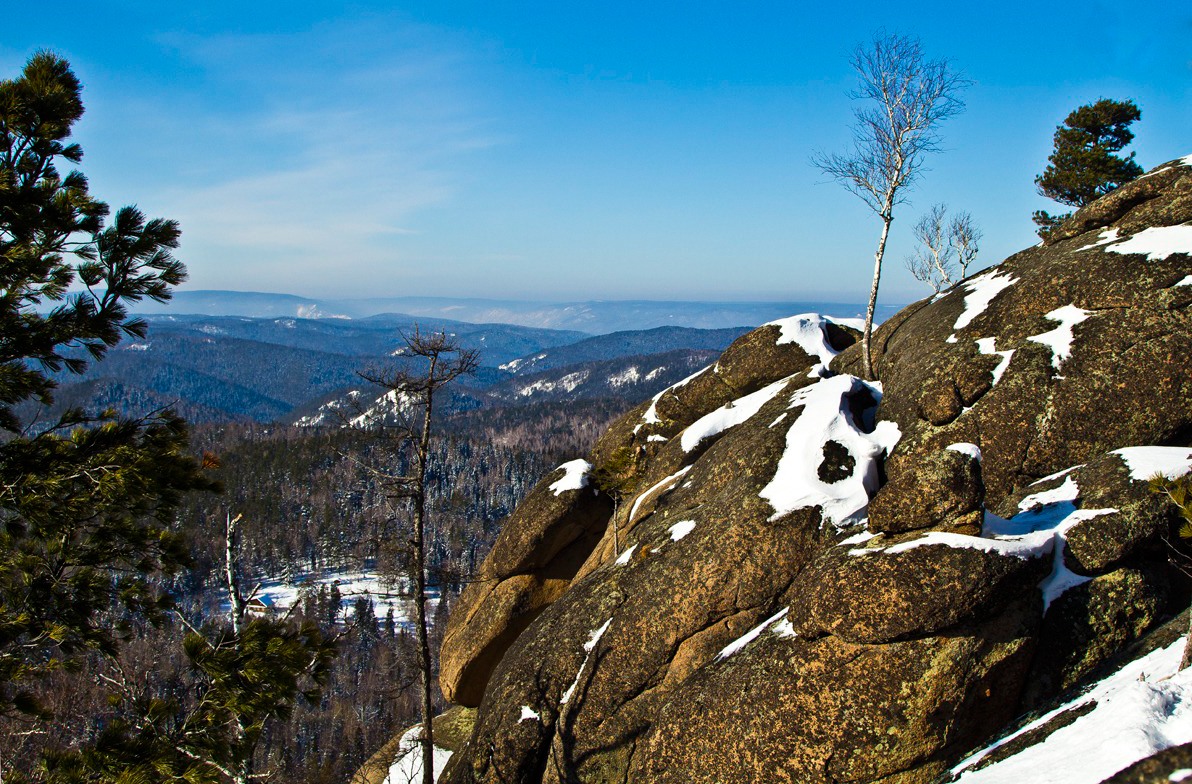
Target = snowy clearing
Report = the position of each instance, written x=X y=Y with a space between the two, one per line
x=282 y=594
x=568 y=383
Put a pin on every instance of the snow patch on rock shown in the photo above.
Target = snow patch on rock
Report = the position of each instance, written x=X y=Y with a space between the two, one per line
x=982 y=291
x=965 y=448
x=730 y=415
x=668 y=484
x=1141 y=709
x=575 y=477
x=589 y=646
x=826 y=417
x=1145 y=462
x=681 y=529
x=1157 y=242
x=810 y=332
x=1060 y=339
x=988 y=346
x=751 y=635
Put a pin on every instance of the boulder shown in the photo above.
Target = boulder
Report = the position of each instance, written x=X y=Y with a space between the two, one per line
x=795 y=575
x=941 y=490
x=536 y=555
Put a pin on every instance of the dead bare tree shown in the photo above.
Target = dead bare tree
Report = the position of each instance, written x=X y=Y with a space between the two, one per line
x=907 y=97
x=438 y=359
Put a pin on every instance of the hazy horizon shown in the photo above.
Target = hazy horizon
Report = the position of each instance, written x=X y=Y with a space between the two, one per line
x=567 y=152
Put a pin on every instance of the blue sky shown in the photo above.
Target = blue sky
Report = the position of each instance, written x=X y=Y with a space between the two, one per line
x=572 y=151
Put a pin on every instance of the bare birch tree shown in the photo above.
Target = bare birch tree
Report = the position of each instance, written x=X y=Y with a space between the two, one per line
x=964 y=237
x=906 y=99
x=931 y=260
x=441 y=360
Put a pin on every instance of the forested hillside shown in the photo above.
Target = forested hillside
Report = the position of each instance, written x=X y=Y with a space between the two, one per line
x=314 y=514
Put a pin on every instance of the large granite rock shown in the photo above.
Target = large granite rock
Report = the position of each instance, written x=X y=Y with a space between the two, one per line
x=780 y=572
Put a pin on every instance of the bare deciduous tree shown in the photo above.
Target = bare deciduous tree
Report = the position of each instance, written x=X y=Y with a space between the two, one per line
x=906 y=98
x=440 y=360
x=931 y=261
x=964 y=237
x=945 y=250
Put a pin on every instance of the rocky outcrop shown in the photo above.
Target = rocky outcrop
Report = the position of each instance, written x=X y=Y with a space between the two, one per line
x=777 y=571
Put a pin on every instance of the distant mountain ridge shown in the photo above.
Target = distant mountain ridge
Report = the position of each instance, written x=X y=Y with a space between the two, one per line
x=595 y=317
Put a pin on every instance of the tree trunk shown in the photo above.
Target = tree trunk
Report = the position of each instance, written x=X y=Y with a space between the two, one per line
x=424 y=663
x=866 y=352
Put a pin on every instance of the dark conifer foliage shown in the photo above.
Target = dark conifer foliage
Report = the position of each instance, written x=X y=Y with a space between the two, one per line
x=87 y=502
x=1083 y=166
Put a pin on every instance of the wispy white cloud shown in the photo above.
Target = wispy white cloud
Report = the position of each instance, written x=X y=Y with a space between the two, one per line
x=331 y=144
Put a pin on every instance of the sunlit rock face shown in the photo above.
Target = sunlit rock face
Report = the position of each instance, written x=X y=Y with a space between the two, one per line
x=779 y=571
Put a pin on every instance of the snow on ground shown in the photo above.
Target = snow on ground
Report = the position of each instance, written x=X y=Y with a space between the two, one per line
x=982 y=291
x=567 y=383
x=753 y=634
x=575 y=477
x=1185 y=281
x=1145 y=462
x=1060 y=339
x=987 y=346
x=1157 y=242
x=407 y=767
x=630 y=375
x=730 y=415
x=826 y=417
x=528 y=714
x=282 y=594
x=1143 y=708
x=589 y=646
